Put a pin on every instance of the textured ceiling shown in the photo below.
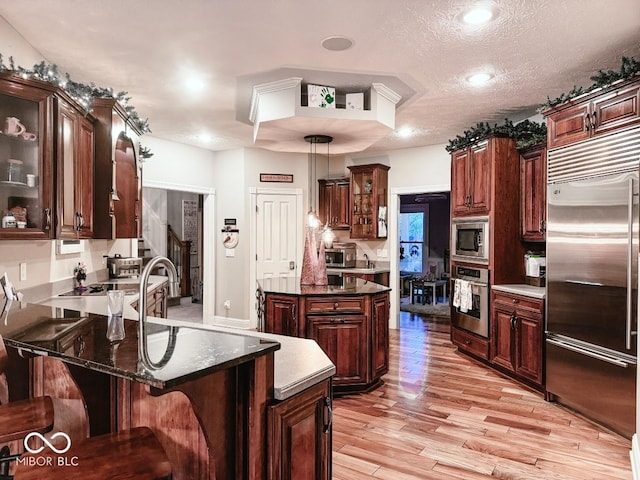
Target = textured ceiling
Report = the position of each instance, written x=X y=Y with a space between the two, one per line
x=536 y=49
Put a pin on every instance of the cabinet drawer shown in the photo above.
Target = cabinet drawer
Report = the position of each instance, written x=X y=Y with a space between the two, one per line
x=470 y=343
x=521 y=303
x=335 y=305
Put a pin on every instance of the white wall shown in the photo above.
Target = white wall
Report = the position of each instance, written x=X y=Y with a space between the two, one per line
x=12 y=44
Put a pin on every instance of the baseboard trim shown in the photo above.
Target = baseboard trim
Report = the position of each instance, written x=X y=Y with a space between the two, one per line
x=229 y=322
x=635 y=457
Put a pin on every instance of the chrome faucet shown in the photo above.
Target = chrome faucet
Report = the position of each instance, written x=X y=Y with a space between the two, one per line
x=369 y=263
x=142 y=307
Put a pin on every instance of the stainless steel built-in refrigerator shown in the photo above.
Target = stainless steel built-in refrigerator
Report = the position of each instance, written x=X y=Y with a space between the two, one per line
x=592 y=278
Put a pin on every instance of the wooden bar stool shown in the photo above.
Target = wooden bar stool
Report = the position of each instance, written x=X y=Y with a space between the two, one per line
x=134 y=453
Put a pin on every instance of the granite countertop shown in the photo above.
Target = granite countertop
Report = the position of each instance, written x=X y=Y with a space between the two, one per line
x=349 y=286
x=361 y=267
x=298 y=364
x=522 y=289
x=80 y=338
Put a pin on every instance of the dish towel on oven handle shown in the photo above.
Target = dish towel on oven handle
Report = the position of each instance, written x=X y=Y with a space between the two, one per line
x=462 y=295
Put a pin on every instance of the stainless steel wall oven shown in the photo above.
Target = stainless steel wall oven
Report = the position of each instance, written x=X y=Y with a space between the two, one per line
x=476 y=317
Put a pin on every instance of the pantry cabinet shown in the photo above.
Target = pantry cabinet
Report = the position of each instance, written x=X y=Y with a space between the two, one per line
x=118 y=193
x=594 y=114
x=533 y=193
x=333 y=203
x=368 y=200
x=518 y=335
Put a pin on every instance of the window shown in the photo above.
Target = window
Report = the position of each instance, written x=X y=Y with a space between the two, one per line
x=412 y=241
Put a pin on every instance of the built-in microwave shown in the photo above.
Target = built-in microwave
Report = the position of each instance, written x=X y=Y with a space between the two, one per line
x=470 y=239
x=341 y=256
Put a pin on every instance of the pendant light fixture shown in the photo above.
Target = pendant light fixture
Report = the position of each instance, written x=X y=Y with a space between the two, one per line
x=313 y=220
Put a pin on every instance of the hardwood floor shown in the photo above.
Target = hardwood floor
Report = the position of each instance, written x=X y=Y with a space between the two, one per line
x=440 y=416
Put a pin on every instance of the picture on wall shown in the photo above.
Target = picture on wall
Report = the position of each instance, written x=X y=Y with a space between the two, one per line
x=190 y=223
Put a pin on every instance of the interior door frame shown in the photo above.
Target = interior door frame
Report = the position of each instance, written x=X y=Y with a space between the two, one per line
x=253 y=238
x=208 y=241
x=394 y=247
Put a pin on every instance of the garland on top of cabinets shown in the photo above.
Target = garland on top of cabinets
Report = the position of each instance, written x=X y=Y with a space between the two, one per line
x=630 y=67
x=80 y=92
x=525 y=133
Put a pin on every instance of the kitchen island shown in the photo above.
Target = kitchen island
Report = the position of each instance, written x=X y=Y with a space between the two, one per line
x=213 y=404
x=349 y=321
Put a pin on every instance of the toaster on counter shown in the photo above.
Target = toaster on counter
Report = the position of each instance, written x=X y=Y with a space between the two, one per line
x=124 y=267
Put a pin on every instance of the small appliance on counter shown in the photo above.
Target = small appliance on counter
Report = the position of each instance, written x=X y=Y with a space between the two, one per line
x=124 y=267
x=535 y=265
x=342 y=255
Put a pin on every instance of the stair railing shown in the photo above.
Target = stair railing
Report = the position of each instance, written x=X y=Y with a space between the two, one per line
x=179 y=252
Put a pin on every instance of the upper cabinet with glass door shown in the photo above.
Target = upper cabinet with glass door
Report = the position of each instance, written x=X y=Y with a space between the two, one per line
x=26 y=159
x=369 y=201
x=44 y=132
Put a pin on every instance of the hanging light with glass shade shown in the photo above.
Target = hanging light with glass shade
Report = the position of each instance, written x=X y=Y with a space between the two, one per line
x=313 y=218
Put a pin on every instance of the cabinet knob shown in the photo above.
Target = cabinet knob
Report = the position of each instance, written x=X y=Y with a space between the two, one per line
x=467 y=342
x=335 y=306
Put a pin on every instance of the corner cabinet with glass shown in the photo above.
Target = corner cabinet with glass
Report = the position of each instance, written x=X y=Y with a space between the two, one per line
x=26 y=160
x=369 y=197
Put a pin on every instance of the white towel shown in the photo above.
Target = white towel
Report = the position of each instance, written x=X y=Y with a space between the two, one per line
x=456 y=293
x=466 y=297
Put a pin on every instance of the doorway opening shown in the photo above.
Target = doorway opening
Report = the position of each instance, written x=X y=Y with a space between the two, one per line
x=174 y=226
x=423 y=258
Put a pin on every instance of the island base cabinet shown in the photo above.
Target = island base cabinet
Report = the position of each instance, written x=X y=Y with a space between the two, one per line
x=344 y=340
x=300 y=436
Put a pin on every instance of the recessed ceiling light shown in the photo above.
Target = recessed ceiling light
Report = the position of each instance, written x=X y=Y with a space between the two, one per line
x=405 y=132
x=194 y=83
x=478 y=15
x=337 y=43
x=478 y=79
x=204 y=137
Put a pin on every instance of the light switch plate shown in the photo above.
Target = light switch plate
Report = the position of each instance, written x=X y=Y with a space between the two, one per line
x=382 y=253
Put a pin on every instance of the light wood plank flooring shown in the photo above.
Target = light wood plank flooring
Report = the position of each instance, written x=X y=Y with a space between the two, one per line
x=440 y=416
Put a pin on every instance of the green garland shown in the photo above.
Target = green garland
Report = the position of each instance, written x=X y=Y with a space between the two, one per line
x=525 y=133
x=144 y=152
x=629 y=69
x=82 y=93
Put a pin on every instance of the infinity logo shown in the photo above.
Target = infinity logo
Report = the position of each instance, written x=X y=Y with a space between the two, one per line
x=47 y=442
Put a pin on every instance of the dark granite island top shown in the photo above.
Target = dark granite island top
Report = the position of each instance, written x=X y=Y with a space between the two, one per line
x=81 y=338
x=348 y=286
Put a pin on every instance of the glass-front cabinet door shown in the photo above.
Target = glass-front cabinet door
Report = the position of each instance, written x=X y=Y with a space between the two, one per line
x=26 y=197
x=369 y=201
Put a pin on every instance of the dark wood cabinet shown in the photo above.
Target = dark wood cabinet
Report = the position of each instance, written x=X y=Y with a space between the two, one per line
x=51 y=176
x=333 y=203
x=518 y=335
x=282 y=314
x=594 y=114
x=118 y=191
x=156 y=301
x=368 y=201
x=470 y=343
x=352 y=330
x=300 y=435
x=533 y=193
x=380 y=335
x=344 y=339
x=470 y=170
x=74 y=143
x=381 y=278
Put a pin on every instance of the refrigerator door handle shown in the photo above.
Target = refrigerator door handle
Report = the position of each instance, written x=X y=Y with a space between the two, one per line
x=588 y=353
x=629 y=266
x=582 y=282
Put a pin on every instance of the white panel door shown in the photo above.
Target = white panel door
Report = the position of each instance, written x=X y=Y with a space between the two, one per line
x=277 y=237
